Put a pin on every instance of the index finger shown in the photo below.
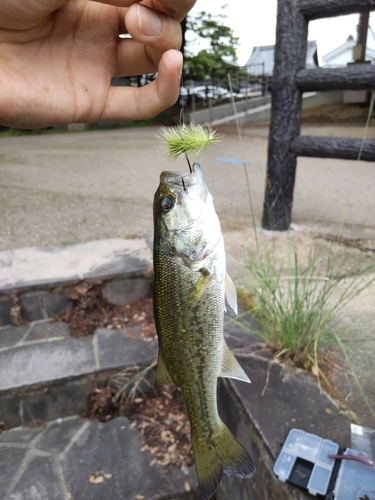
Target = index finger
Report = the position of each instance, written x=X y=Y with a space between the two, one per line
x=175 y=8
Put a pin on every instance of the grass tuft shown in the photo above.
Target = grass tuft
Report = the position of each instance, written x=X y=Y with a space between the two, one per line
x=299 y=307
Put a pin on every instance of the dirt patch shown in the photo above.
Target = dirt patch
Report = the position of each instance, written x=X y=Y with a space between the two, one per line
x=90 y=310
x=340 y=114
x=361 y=244
x=160 y=416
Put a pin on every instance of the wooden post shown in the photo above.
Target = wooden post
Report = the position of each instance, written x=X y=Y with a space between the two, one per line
x=290 y=58
x=317 y=9
x=290 y=79
x=362 y=33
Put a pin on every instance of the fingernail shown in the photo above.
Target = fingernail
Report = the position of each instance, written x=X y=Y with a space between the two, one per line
x=149 y=22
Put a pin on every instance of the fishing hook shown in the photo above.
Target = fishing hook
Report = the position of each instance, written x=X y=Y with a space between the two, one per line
x=188 y=162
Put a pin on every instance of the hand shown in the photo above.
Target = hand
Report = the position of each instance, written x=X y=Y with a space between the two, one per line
x=57 y=58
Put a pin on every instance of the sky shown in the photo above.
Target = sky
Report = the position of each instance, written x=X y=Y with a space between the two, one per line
x=257 y=26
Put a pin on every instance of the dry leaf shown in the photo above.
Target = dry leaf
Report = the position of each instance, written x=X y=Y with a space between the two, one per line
x=187 y=486
x=185 y=469
x=96 y=479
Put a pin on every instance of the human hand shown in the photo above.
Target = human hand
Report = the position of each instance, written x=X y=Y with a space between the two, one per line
x=57 y=58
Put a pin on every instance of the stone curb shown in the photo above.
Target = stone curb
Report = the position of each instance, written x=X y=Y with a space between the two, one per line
x=36 y=267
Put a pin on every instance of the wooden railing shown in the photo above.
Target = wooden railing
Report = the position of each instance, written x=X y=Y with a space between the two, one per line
x=290 y=80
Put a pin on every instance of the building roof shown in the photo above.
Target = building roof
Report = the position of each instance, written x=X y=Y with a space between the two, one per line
x=329 y=59
x=262 y=57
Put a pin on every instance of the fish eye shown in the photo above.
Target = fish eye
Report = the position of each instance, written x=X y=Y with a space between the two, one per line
x=167 y=202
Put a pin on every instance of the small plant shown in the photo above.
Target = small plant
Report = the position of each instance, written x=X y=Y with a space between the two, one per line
x=299 y=306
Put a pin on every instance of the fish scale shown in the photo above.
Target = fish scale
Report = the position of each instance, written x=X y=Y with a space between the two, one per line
x=190 y=285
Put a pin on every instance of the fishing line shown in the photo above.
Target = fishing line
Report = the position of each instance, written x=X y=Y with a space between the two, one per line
x=182 y=123
x=252 y=214
x=359 y=157
x=182 y=119
x=367 y=124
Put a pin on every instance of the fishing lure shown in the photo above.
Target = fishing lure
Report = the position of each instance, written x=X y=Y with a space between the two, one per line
x=187 y=140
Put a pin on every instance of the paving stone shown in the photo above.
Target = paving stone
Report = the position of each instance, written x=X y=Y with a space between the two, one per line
x=10 y=409
x=32 y=306
x=12 y=334
x=122 y=291
x=59 y=401
x=48 y=330
x=38 y=482
x=10 y=460
x=55 y=303
x=22 y=435
x=114 y=448
x=50 y=402
x=58 y=435
x=5 y=307
x=46 y=362
x=116 y=349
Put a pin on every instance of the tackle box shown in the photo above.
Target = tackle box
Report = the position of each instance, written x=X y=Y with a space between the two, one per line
x=304 y=462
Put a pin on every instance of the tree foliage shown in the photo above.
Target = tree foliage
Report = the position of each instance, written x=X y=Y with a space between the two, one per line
x=219 y=56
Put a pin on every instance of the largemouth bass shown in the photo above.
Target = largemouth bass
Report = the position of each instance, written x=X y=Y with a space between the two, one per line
x=190 y=287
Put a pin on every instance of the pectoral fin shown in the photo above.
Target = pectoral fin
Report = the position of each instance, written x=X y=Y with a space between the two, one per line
x=230 y=368
x=200 y=286
x=230 y=293
x=162 y=374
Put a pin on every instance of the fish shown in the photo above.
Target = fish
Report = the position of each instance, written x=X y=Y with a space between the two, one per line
x=190 y=288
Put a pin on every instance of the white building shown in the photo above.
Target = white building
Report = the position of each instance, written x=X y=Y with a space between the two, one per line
x=343 y=55
x=262 y=59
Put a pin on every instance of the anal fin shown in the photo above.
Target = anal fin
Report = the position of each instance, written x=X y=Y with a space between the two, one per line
x=230 y=367
x=162 y=374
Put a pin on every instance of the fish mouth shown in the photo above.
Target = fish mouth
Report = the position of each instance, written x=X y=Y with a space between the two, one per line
x=183 y=179
x=180 y=179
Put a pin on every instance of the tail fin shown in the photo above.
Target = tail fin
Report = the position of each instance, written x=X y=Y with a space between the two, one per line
x=223 y=454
